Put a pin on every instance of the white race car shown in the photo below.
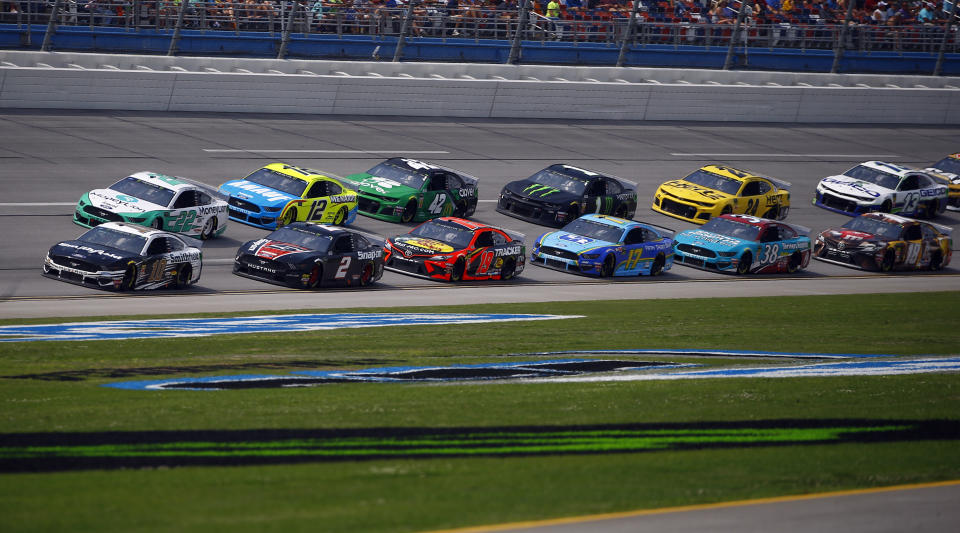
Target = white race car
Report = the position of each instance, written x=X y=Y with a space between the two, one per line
x=948 y=169
x=162 y=202
x=885 y=187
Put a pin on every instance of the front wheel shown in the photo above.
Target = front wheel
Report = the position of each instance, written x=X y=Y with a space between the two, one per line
x=746 y=260
x=886 y=265
x=458 y=268
x=609 y=264
x=409 y=211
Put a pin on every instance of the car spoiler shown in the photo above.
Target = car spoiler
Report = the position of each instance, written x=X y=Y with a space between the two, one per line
x=191 y=241
x=670 y=231
x=209 y=189
x=803 y=230
x=946 y=230
x=780 y=183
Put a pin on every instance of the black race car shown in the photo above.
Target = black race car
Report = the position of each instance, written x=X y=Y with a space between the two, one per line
x=121 y=256
x=308 y=256
x=561 y=193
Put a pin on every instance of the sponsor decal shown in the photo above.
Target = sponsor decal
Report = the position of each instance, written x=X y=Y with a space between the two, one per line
x=343 y=198
x=275 y=249
x=202 y=327
x=370 y=255
x=467 y=192
x=579 y=239
x=510 y=250
x=540 y=190
x=91 y=251
x=706 y=236
x=205 y=210
x=859 y=186
x=702 y=191
x=429 y=245
x=267 y=193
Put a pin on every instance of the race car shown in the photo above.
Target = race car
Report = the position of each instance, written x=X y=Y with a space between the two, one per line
x=947 y=170
x=280 y=194
x=744 y=244
x=561 y=193
x=120 y=256
x=885 y=242
x=602 y=245
x=162 y=202
x=715 y=190
x=309 y=256
x=454 y=249
x=407 y=190
x=883 y=187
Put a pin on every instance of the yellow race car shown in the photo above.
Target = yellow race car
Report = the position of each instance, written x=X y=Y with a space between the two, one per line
x=280 y=194
x=715 y=190
x=947 y=171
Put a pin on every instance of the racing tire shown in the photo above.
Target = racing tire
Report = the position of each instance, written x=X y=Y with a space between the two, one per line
x=793 y=264
x=886 y=207
x=574 y=211
x=157 y=223
x=458 y=269
x=409 y=212
x=727 y=210
x=459 y=210
x=782 y=212
x=657 y=267
x=621 y=212
x=316 y=277
x=340 y=217
x=209 y=228
x=771 y=213
x=288 y=217
x=932 y=209
x=609 y=264
x=936 y=260
x=886 y=265
x=366 y=274
x=129 y=278
x=182 y=278
x=743 y=267
x=508 y=270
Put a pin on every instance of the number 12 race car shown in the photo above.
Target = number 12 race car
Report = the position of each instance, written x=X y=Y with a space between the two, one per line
x=455 y=249
x=744 y=244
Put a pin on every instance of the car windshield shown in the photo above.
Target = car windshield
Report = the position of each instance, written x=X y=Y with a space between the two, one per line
x=303 y=238
x=278 y=181
x=594 y=230
x=730 y=228
x=143 y=190
x=948 y=164
x=121 y=240
x=714 y=181
x=887 y=230
x=872 y=175
x=439 y=230
x=398 y=174
x=560 y=181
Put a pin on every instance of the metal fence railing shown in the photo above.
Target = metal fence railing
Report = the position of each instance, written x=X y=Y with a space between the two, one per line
x=429 y=19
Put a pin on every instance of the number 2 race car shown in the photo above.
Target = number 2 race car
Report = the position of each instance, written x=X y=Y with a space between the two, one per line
x=309 y=256
x=280 y=194
x=883 y=187
x=407 y=190
x=715 y=190
x=162 y=202
x=560 y=193
x=744 y=244
x=120 y=256
x=455 y=249
x=601 y=245
x=880 y=241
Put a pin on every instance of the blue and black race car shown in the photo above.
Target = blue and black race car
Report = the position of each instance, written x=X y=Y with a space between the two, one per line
x=602 y=245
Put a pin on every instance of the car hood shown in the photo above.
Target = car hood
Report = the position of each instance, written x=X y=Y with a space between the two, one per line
x=408 y=244
x=367 y=183
x=572 y=242
x=97 y=254
x=117 y=202
x=274 y=250
x=854 y=187
x=540 y=193
x=709 y=240
x=692 y=191
x=256 y=193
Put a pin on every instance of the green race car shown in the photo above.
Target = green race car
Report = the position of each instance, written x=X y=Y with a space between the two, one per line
x=407 y=190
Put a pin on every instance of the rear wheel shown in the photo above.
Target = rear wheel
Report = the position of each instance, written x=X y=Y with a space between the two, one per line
x=209 y=227
x=932 y=208
x=609 y=264
x=746 y=260
x=366 y=274
x=509 y=268
x=460 y=209
x=657 y=267
x=771 y=213
x=182 y=278
x=794 y=263
x=621 y=211
x=409 y=211
x=782 y=212
x=936 y=260
x=340 y=217
x=458 y=268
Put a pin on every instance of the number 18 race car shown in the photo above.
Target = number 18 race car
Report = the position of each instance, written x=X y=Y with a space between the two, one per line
x=120 y=256
x=880 y=241
x=309 y=256
x=455 y=249
x=744 y=244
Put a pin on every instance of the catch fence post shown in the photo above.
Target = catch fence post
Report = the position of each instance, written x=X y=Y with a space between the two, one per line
x=946 y=34
x=175 y=40
x=521 y=26
x=404 y=28
x=51 y=27
x=628 y=35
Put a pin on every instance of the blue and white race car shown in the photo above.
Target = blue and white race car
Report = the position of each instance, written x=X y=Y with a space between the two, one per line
x=744 y=244
x=603 y=245
x=884 y=187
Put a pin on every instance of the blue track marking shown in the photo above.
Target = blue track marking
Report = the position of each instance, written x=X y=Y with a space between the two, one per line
x=202 y=327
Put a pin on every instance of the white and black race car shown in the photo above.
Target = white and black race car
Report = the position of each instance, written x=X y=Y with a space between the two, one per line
x=120 y=256
x=877 y=186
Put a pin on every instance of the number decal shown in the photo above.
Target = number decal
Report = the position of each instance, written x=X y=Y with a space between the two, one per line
x=438 y=202
x=771 y=252
x=419 y=165
x=633 y=258
x=157 y=270
x=485 y=260
x=342 y=269
x=318 y=208
x=752 y=206
x=183 y=222
x=913 y=253
x=910 y=202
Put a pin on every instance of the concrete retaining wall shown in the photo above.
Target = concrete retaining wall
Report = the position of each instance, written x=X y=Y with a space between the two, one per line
x=159 y=83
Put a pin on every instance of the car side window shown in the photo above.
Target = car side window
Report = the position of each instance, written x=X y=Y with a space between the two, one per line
x=186 y=199
x=438 y=182
x=484 y=239
x=204 y=198
x=317 y=190
x=595 y=188
x=343 y=244
x=498 y=239
x=770 y=234
x=333 y=188
x=174 y=245
x=910 y=183
x=649 y=236
x=762 y=187
x=751 y=189
x=634 y=236
x=912 y=233
x=613 y=187
x=158 y=246
x=361 y=242
x=454 y=182
x=787 y=232
x=929 y=233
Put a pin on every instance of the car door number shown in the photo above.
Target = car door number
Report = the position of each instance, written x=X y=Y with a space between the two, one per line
x=771 y=253
x=183 y=222
x=318 y=210
x=344 y=266
x=913 y=253
x=156 y=270
x=436 y=207
x=910 y=202
x=753 y=204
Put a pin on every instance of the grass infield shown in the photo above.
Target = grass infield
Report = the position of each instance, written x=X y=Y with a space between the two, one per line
x=417 y=456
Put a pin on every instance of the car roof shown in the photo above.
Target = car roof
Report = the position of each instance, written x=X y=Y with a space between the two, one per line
x=419 y=166
x=743 y=175
x=891 y=168
x=584 y=173
x=318 y=229
x=172 y=183
x=308 y=175
x=134 y=229
x=473 y=226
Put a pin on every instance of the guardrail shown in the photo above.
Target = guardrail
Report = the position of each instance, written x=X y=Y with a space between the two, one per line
x=628 y=33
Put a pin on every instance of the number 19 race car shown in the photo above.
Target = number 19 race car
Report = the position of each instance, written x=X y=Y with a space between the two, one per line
x=120 y=256
x=883 y=187
x=880 y=241
x=455 y=249
x=601 y=245
x=744 y=244
x=162 y=202
x=309 y=256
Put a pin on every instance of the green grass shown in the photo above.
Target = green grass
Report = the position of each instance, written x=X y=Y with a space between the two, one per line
x=412 y=493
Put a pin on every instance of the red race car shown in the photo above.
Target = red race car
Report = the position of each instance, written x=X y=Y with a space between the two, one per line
x=455 y=249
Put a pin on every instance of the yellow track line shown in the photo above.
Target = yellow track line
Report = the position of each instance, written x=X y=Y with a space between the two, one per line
x=687 y=508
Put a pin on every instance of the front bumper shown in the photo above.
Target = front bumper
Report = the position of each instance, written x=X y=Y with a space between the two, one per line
x=554 y=216
x=843 y=205
x=676 y=207
x=103 y=279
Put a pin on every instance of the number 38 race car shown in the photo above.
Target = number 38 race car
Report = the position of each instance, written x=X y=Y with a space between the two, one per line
x=309 y=256
x=880 y=241
x=120 y=256
x=455 y=249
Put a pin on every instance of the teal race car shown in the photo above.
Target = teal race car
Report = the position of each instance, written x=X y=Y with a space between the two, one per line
x=407 y=190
